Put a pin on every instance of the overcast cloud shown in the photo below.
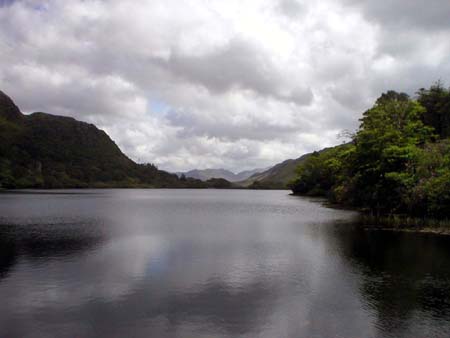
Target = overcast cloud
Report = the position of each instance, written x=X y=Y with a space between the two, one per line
x=205 y=83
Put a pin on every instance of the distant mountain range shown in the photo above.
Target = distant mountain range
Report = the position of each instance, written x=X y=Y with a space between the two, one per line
x=276 y=177
x=206 y=174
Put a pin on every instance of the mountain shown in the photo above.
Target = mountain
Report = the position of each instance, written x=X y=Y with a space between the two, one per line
x=47 y=151
x=206 y=174
x=276 y=177
x=243 y=175
x=8 y=109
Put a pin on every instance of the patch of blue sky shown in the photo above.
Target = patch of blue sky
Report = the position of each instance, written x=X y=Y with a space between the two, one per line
x=158 y=107
x=4 y=3
x=40 y=7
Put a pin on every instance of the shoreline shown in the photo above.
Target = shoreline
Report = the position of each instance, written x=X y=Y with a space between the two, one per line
x=424 y=230
x=394 y=223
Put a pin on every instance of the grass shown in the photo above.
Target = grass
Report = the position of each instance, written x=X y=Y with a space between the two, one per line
x=406 y=223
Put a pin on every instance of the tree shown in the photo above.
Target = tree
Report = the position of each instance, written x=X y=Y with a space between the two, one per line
x=386 y=144
x=322 y=173
x=396 y=162
x=436 y=102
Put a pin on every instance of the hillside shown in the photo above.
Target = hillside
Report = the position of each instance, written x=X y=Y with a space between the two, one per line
x=276 y=177
x=243 y=175
x=279 y=176
x=206 y=174
x=47 y=151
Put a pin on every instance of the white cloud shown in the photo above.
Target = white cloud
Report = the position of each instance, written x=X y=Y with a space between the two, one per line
x=232 y=84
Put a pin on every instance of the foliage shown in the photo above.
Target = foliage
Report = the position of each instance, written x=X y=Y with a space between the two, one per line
x=321 y=172
x=266 y=185
x=396 y=163
x=436 y=101
x=219 y=183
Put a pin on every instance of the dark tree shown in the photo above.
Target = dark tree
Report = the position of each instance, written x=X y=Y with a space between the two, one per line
x=436 y=102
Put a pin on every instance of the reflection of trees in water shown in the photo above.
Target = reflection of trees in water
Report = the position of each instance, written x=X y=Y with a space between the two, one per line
x=7 y=256
x=42 y=240
x=404 y=274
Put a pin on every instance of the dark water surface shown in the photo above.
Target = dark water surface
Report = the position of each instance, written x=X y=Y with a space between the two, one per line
x=212 y=263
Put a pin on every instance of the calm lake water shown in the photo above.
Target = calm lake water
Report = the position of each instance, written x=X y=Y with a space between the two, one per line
x=212 y=263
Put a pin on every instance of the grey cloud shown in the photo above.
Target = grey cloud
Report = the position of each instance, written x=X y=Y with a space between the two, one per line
x=349 y=97
x=237 y=65
x=256 y=129
x=431 y=48
x=300 y=95
x=415 y=14
x=291 y=8
x=72 y=95
x=402 y=80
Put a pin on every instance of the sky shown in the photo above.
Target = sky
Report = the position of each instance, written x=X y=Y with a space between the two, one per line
x=219 y=84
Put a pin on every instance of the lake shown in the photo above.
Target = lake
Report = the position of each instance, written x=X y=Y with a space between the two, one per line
x=212 y=263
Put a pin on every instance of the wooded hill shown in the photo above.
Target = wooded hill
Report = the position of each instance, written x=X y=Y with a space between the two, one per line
x=397 y=163
x=47 y=151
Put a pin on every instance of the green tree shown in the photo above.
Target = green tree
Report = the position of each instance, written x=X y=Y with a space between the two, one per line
x=322 y=173
x=431 y=195
x=387 y=143
x=436 y=101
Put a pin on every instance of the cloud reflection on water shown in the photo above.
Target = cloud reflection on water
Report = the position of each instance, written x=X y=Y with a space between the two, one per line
x=206 y=263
